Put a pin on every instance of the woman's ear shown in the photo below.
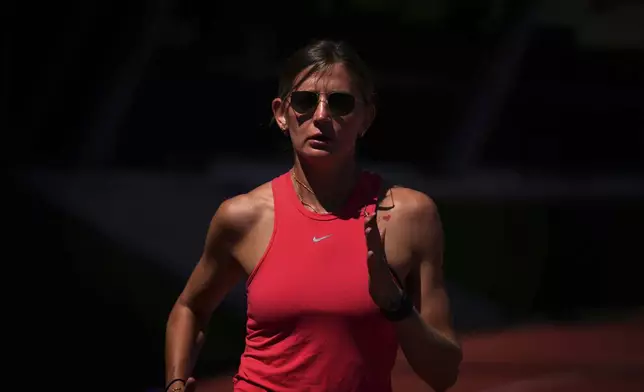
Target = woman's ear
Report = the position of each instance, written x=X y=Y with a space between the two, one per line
x=279 y=114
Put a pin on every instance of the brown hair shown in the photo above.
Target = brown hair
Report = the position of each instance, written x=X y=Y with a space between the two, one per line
x=320 y=55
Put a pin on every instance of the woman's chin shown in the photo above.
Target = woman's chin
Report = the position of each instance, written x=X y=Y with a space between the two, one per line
x=316 y=152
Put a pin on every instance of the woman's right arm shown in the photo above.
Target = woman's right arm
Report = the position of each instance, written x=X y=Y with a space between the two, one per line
x=213 y=277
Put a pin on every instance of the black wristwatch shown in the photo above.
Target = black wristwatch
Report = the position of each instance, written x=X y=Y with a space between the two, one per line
x=401 y=310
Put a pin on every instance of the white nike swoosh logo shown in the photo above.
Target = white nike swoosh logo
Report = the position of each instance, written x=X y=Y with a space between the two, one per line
x=316 y=239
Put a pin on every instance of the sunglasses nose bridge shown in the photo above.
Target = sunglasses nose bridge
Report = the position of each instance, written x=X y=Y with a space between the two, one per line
x=322 y=108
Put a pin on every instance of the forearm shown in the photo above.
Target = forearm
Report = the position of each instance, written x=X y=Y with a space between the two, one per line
x=184 y=338
x=434 y=357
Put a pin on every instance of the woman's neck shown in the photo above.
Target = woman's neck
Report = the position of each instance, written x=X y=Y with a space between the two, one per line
x=325 y=188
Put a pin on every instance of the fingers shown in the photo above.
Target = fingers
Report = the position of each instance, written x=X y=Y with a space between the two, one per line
x=191 y=385
x=372 y=238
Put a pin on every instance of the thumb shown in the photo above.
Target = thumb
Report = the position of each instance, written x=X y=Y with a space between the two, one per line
x=191 y=385
x=383 y=232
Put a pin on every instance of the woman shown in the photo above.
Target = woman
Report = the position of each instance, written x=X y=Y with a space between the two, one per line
x=329 y=281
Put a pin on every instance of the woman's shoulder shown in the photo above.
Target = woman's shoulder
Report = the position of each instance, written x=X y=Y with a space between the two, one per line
x=411 y=200
x=240 y=213
x=403 y=199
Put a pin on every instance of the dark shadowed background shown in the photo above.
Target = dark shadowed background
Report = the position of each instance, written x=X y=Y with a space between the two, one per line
x=126 y=124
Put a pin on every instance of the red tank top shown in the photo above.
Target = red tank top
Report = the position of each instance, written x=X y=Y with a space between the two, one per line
x=311 y=324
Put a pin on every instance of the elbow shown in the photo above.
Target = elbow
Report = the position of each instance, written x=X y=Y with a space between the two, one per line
x=452 y=369
x=444 y=375
x=183 y=321
x=182 y=315
x=178 y=314
x=443 y=380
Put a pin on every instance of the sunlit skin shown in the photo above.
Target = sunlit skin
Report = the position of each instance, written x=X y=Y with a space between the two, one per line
x=330 y=166
x=405 y=235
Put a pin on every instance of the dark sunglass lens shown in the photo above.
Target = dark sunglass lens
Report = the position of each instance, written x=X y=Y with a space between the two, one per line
x=304 y=101
x=341 y=104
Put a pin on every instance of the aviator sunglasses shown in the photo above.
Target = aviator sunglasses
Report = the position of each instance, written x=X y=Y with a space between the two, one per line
x=339 y=103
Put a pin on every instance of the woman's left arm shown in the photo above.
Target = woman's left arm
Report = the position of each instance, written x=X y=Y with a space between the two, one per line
x=426 y=337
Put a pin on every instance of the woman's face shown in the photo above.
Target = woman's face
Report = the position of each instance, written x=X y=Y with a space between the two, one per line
x=325 y=115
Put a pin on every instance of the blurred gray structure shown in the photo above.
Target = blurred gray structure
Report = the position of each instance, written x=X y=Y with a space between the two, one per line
x=164 y=216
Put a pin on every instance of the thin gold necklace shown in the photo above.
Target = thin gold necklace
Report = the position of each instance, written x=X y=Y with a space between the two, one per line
x=304 y=203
